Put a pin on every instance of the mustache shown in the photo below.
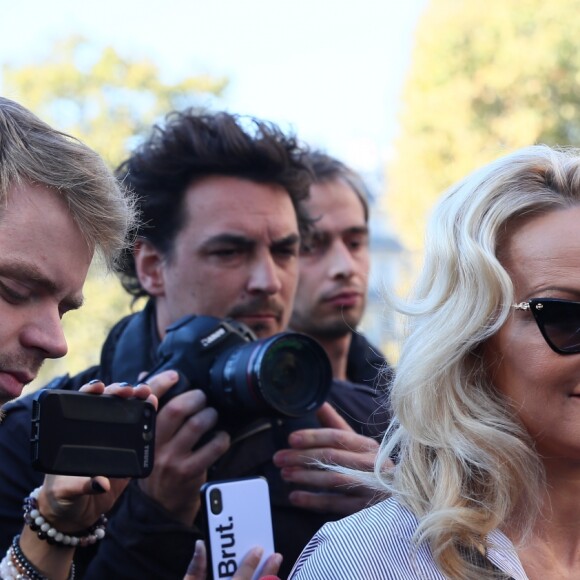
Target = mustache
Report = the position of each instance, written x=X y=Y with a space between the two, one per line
x=29 y=363
x=257 y=306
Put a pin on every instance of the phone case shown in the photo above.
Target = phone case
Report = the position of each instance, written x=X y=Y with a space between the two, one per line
x=76 y=433
x=237 y=518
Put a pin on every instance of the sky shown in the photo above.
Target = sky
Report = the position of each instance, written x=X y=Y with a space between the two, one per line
x=330 y=70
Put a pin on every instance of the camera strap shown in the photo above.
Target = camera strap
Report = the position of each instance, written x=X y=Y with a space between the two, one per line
x=132 y=346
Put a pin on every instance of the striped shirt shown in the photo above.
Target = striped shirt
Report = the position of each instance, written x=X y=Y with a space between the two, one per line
x=376 y=544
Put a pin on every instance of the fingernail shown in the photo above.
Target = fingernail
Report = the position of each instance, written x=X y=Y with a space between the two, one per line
x=97 y=487
x=294 y=497
x=287 y=473
x=144 y=383
x=258 y=551
x=295 y=439
x=280 y=458
x=94 y=381
x=124 y=384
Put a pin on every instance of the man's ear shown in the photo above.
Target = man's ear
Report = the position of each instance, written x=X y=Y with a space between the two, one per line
x=149 y=266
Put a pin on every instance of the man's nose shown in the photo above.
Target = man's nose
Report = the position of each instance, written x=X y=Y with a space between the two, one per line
x=45 y=333
x=342 y=263
x=264 y=277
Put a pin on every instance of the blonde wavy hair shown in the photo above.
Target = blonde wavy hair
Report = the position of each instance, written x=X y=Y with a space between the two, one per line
x=465 y=465
x=33 y=152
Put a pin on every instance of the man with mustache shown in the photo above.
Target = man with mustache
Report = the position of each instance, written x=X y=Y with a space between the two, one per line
x=222 y=207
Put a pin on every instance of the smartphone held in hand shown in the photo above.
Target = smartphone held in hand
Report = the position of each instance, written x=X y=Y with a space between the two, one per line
x=237 y=517
x=77 y=433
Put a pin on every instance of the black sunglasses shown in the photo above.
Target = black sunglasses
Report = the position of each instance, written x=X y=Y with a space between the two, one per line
x=558 y=321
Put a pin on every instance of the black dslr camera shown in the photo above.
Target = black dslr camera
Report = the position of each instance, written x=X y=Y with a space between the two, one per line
x=287 y=374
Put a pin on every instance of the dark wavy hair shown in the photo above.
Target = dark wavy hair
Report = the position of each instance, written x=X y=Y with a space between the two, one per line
x=191 y=145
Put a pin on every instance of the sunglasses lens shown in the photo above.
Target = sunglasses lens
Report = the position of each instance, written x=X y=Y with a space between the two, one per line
x=560 y=323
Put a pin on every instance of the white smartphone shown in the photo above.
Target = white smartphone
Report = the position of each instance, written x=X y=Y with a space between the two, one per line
x=237 y=517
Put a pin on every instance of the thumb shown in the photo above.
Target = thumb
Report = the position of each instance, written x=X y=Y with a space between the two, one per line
x=197 y=569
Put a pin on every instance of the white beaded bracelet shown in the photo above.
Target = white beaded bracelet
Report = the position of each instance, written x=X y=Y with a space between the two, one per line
x=7 y=569
x=37 y=523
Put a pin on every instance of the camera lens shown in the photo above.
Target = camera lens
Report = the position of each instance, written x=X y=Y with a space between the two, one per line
x=287 y=374
x=215 y=501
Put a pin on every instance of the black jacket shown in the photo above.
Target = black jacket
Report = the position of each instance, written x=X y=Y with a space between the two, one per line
x=142 y=541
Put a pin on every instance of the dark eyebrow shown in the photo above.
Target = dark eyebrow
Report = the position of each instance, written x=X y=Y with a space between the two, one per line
x=28 y=273
x=229 y=239
x=358 y=230
x=323 y=236
x=72 y=303
x=291 y=240
x=319 y=233
x=245 y=242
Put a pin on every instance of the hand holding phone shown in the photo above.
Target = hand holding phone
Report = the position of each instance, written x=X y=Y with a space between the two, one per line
x=237 y=517
x=197 y=569
x=75 y=433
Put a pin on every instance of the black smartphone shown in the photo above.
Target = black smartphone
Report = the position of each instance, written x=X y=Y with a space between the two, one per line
x=237 y=516
x=85 y=434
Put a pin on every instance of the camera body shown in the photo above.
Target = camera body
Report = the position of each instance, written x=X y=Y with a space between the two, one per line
x=288 y=374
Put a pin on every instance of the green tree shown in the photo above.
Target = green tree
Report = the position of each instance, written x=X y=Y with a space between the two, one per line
x=486 y=78
x=106 y=100
x=100 y=96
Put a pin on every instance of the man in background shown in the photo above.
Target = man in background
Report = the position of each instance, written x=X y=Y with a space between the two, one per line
x=329 y=304
x=334 y=272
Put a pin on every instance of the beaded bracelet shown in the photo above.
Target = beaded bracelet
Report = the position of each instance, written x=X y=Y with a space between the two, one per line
x=8 y=570
x=45 y=531
x=16 y=566
x=22 y=564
